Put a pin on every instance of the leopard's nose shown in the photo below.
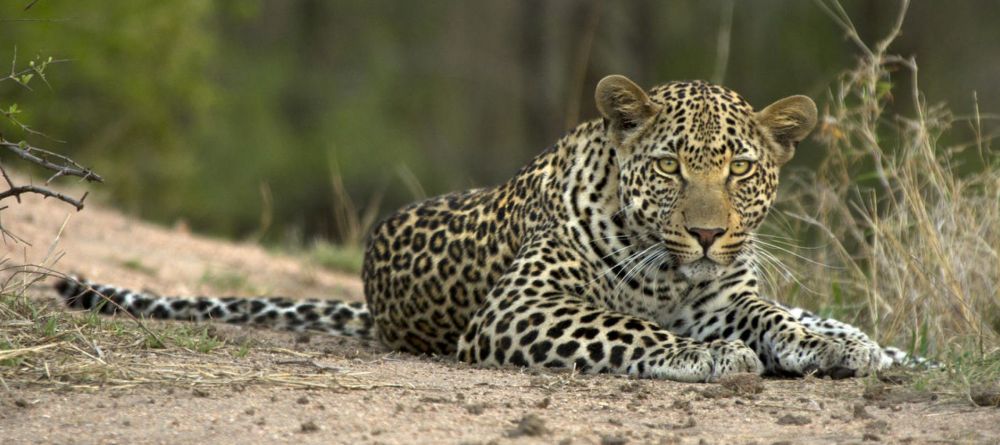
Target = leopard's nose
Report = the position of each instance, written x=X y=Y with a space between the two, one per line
x=705 y=237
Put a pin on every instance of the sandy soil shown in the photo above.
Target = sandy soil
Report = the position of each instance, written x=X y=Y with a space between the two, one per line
x=397 y=398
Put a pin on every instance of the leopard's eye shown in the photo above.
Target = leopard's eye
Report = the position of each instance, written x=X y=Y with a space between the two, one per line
x=737 y=168
x=667 y=166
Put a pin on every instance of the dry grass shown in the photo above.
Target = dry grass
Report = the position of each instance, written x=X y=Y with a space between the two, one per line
x=906 y=227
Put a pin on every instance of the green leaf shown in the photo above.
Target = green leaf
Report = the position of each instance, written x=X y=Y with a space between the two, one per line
x=883 y=88
x=867 y=176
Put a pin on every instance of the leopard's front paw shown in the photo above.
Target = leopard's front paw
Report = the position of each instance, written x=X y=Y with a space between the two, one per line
x=859 y=358
x=732 y=357
x=704 y=362
x=827 y=356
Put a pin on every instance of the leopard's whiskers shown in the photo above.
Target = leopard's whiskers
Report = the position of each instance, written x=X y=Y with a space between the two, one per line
x=627 y=260
x=782 y=249
x=785 y=271
x=639 y=267
x=786 y=241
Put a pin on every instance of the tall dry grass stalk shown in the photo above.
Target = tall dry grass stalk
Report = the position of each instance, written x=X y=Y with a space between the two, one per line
x=906 y=246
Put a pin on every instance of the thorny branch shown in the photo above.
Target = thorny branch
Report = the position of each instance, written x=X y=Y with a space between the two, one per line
x=61 y=165
x=870 y=76
x=58 y=164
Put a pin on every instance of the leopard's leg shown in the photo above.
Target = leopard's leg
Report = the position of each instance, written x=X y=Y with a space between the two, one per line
x=732 y=309
x=837 y=329
x=559 y=330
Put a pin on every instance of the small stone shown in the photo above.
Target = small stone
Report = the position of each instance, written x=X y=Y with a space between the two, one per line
x=309 y=427
x=613 y=440
x=791 y=419
x=475 y=408
x=877 y=426
x=860 y=412
x=683 y=405
x=689 y=424
x=985 y=395
x=530 y=425
x=743 y=384
x=717 y=392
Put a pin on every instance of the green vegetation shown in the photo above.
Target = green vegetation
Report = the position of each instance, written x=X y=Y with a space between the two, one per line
x=138 y=266
x=194 y=338
x=228 y=281
x=344 y=258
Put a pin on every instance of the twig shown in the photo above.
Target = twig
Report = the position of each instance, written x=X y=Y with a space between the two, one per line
x=61 y=165
x=582 y=61
x=777 y=406
x=41 y=157
x=11 y=353
x=840 y=17
x=17 y=191
x=34 y=20
x=723 y=42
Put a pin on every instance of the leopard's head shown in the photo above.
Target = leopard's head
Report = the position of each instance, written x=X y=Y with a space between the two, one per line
x=698 y=167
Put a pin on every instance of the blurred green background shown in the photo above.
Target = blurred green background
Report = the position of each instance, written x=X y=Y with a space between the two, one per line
x=243 y=117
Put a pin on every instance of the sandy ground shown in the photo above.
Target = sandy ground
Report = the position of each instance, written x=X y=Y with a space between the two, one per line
x=400 y=399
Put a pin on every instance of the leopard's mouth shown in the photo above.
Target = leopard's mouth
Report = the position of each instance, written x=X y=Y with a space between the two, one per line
x=704 y=269
x=698 y=258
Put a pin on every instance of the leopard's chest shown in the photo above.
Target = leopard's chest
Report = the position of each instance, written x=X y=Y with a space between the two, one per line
x=653 y=294
x=668 y=294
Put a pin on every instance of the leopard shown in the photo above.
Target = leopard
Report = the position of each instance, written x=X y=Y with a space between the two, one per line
x=627 y=247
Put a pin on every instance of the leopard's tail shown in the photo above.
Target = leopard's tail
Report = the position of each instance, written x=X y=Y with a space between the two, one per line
x=328 y=316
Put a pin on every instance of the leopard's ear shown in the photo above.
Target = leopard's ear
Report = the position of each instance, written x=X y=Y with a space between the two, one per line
x=789 y=121
x=624 y=105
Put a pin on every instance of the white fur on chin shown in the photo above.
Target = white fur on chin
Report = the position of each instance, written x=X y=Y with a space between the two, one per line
x=701 y=270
